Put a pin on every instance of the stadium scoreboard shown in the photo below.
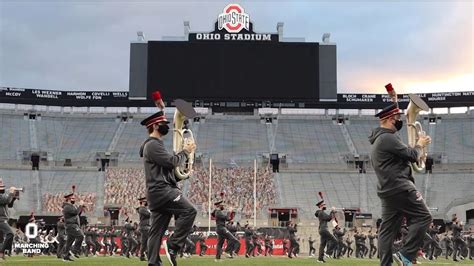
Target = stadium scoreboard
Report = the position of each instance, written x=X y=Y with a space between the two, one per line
x=234 y=71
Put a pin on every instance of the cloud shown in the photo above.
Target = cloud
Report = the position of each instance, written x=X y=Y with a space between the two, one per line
x=85 y=45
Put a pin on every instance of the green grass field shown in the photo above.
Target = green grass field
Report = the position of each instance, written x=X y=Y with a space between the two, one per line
x=207 y=261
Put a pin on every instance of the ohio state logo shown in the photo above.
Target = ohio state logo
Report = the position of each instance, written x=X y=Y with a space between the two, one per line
x=233 y=19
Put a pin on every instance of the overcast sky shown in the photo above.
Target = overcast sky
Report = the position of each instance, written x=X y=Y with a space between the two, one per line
x=419 y=46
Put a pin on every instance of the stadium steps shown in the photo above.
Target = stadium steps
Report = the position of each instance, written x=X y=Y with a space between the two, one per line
x=271 y=134
x=33 y=135
x=281 y=200
x=348 y=139
x=36 y=192
x=100 y=194
x=117 y=135
x=364 y=192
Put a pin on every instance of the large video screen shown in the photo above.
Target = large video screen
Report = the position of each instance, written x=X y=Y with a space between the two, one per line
x=234 y=71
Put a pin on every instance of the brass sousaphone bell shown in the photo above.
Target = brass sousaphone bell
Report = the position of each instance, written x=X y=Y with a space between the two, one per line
x=183 y=135
x=415 y=130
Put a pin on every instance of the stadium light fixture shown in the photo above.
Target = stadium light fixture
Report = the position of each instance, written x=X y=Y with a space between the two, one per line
x=326 y=37
x=140 y=36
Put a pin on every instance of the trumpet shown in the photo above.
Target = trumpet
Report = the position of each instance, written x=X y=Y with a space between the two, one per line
x=182 y=135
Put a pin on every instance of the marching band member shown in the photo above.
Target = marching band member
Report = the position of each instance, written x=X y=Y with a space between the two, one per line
x=391 y=160
x=164 y=197
x=325 y=235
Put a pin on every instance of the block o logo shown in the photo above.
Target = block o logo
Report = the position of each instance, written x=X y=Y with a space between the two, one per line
x=31 y=230
x=233 y=19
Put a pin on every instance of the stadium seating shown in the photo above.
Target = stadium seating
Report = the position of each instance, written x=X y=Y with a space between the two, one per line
x=75 y=138
x=227 y=140
x=235 y=187
x=231 y=141
x=55 y=184
x=24 y=179
x=343 y=190
x=15 y=136
x=309 y=141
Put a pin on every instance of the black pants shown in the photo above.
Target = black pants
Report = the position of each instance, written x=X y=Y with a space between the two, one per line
x=125 y=246
x=294 y=246
x=435 y=249
x=74 y=234
x=331 y=247
x=312 y=250
x=248 y=247
x=184 y=214
x=132 y=245
x=144 y=240
x=113 y=246
x=222 y=235
x=188 y=246
x=459 y=245
x=7 y=237
x=373 y=250
x=203 y=249
x=230 y=249
x=61 y=242
x=349 y=251
x=341 y=249
x=107 y=248
x=394 y=208
x=361 y=250
x=268 y=250
x=97 y=246
x=325 y=237
x=89 y=246
x=449 y=251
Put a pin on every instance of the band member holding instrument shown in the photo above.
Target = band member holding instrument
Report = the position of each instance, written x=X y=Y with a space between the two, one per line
x=6 y=201
x=248 y=233
x=223 y=233
x=61 y=237
x=341 y=247
x=325 y=235
x=144 y=216
x=292 y=229
x=349 y=246
x=129 y=231
x=458 y=242
x=164 y=197
x=74 y=233
x=312 y=250
x=373 y=248
x=391 y=160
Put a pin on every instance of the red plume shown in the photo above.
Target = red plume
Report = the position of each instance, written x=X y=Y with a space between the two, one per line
x=73 y=188
x=156 y=96
x=389 y=87
x=320 y=194
x=222 y=194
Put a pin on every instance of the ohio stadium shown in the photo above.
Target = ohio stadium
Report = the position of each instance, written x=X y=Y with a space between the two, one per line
x=235 y=146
